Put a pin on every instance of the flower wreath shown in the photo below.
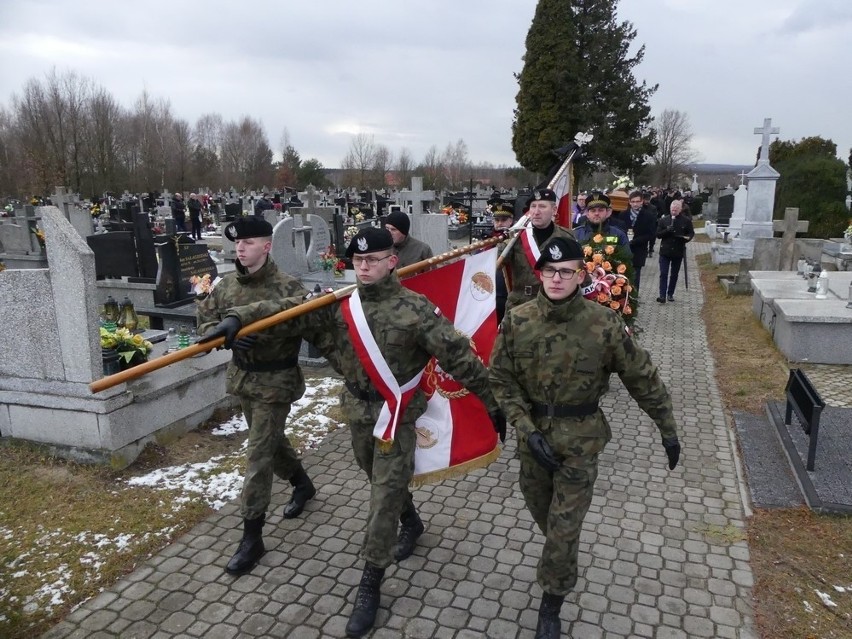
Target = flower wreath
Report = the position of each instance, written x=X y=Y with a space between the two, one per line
x=610 y=270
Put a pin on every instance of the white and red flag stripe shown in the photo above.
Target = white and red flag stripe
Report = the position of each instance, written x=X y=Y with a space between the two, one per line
x=455 y=434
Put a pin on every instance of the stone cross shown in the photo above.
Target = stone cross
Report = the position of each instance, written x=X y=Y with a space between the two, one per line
x=789 y=226
x=766 y=131
x=416 y=195
x=743 y=177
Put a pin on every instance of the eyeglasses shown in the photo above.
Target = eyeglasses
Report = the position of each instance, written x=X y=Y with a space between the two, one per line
x=370 y=260
x=548 y=272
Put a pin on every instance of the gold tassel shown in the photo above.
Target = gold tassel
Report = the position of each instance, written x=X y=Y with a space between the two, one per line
x=453 y=472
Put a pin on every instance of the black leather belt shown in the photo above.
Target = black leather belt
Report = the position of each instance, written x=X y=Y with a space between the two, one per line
x=364 y=396
x=268 y=366
x=563 y=410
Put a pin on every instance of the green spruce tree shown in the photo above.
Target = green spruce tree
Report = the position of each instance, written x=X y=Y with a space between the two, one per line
x=578 y=76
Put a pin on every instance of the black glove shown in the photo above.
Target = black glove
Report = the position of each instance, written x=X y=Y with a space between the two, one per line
x=229 y=327
x=672 y=446
x=542 y=452
x=245 y=343
x=498 y=419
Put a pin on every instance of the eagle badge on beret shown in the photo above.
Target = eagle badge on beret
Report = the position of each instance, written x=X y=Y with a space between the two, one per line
x=362 y=244
x=555 y=253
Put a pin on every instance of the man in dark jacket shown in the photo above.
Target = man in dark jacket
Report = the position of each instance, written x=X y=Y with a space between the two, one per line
x=674 y=231
x=179 y=213
x=263 y=204
x=598 y=214
x=194 y=206
x=409 y=250
x=642 y=224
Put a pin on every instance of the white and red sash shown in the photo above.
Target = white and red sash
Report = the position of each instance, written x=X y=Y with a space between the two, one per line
x=530 y=247
x=396 y=397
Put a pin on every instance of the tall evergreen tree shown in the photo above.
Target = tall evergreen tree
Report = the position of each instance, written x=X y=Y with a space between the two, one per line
x=577 y=76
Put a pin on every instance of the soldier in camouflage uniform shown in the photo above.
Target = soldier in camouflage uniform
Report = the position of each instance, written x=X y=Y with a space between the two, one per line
x=408 y=330
x=519 y=263
x=550 y=366
x=265 y=375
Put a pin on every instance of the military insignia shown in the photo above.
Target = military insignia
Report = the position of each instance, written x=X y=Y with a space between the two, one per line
x=385 y=445
x=537 y=195
x=425 y=438
x=362 y=244
x=555 y=253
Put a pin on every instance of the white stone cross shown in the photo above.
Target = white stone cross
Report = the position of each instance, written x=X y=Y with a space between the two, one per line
x=743 y=176
x=766 y=131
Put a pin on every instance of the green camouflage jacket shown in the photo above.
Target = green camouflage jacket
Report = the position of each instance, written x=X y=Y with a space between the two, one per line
x=274 y=344
x=564 y=354
x=522 y=273
x=407 y=330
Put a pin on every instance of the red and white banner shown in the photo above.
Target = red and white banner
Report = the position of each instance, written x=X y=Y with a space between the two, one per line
x=455 y=434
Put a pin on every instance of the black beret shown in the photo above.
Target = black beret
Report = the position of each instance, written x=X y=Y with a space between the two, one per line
x=246 y=227
x=502 y=210
x=597 y=199
x=370 y=240
x=400 y=221
x=559 y=249
x=548 y=195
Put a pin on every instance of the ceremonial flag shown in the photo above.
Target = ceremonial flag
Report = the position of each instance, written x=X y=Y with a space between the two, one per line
x=455 y=434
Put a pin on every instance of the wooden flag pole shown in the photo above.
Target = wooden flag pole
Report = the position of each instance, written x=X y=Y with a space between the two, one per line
x=305 y=307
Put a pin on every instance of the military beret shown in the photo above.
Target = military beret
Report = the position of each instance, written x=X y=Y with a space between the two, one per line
x=548 y=195
x=559 y=249
x=502 y=210
x=370 y=240
x=246 y=227
x=597 y=200
x=400 y=221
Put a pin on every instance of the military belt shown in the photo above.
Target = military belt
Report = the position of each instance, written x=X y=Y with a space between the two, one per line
x=529 y=291
x=364 y=395
x=267 y=366
x=563 y=410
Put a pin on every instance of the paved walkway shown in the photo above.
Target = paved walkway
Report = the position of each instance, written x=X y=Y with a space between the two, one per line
x=662 y=554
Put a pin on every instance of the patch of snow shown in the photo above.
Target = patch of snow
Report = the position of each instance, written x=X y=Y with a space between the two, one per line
x=825 y=599
x=808 y=607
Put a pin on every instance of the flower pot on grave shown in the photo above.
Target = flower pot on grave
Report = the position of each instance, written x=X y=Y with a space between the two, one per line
x=110 y=361
x=138 y=358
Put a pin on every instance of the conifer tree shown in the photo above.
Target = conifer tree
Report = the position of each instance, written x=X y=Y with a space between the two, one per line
x=578 y=76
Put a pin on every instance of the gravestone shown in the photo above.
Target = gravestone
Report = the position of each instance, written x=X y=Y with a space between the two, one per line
x=789 y=226
x=726 y=207
x=15 y=238
x=761 y=189
x=115 y=254
x=289 y=256
x=738 y=216
x=146 y=254
x=180 y=259
x=416 y=197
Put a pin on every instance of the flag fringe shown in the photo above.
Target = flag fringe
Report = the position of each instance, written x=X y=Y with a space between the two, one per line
x=453 y=472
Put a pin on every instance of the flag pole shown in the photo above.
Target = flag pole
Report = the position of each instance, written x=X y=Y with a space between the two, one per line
x=305 y=307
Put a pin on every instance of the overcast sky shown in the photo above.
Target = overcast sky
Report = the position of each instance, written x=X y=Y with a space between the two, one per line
x=420 y=72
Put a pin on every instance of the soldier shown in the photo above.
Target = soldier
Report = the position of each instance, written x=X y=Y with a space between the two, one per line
x=599 y=220
x=408 y=249
x=550 y=366
x=522 y=258
x=380 y=340
x=265 y=375
x=503 y=216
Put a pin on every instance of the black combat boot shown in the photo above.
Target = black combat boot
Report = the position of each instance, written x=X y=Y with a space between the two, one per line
x=366 y=602
x=303 y=490
x=411 y=528
x=549 y=626
x=251 y=547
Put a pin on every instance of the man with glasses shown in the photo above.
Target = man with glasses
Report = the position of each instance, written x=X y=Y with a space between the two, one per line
x=520 y=263
x=550 y=366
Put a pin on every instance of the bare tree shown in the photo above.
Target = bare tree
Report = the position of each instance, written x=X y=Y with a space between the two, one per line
x=246 y=156
x=456 y=163
x=359 y=160
x=433 y=170
x=674 y=145
x=102 y=148
x=382 y=161
x=404 y=167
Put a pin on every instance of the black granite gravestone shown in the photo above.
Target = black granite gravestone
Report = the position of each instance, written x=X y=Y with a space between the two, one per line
x=726 y=209
x=145 y=252
x=180 y=259
x=233 y=210
x=115 y=254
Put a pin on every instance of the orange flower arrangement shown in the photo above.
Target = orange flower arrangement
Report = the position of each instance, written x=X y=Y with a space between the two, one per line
x=610 y=271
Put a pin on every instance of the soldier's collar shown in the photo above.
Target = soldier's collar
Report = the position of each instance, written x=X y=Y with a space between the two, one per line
x=381 y=289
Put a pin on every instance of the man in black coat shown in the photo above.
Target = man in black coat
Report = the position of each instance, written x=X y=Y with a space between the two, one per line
x=674 y=231
x=642 y=221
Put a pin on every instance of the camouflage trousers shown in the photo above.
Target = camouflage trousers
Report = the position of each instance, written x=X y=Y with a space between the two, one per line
x=269 y=452
x=389 y=472
x=558 y=503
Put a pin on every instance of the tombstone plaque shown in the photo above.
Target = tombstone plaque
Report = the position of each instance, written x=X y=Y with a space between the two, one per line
x=180 y=259
x=115 y=254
